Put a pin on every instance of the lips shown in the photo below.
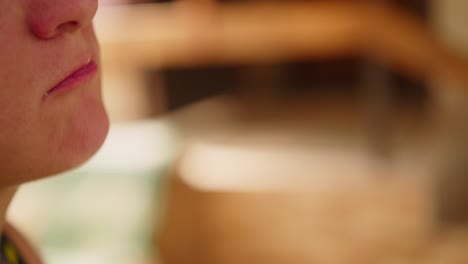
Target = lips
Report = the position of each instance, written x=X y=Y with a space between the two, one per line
x=83 y=73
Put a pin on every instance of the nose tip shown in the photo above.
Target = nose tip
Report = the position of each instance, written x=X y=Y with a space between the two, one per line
x=45 y=32
x=51 y=18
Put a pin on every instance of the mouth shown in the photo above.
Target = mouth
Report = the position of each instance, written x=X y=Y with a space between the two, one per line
x=85 y=72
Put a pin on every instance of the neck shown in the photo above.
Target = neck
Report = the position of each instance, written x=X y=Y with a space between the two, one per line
x=6 y=195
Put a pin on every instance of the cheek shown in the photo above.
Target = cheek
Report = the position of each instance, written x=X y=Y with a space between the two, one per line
x=19 y=142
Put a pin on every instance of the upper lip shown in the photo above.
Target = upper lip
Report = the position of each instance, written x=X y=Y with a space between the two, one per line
x=83 y=62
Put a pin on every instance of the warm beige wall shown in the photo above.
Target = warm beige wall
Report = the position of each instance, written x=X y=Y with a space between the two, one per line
x=451 y=20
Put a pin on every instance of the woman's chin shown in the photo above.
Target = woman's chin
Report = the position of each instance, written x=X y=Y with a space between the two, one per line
x=86 y=134
x=66 y=131
x=83 y=128
x=60 y=154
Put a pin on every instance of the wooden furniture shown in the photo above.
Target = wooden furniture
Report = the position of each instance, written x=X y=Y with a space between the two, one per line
x=299 y=186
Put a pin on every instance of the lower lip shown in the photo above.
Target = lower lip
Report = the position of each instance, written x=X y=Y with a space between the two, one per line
x=80 y=75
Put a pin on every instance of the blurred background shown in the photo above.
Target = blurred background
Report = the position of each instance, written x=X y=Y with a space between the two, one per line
x=269 y=132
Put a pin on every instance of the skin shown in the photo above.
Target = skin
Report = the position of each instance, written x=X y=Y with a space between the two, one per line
x=43 y=42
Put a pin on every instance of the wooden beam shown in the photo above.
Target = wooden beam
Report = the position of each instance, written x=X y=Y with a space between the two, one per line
x=250 y=33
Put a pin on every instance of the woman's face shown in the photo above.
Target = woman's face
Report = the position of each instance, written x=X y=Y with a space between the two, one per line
x=51 y=112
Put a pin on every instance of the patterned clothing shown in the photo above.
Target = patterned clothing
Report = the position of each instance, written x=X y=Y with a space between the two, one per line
x=8 y=252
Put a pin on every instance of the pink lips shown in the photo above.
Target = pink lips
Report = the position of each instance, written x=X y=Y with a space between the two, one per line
x=81 y=74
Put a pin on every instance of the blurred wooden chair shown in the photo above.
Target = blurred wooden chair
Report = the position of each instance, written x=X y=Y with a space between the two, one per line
x=236 y=202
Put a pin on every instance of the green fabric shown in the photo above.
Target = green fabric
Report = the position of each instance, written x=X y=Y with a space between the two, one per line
x=9 y=252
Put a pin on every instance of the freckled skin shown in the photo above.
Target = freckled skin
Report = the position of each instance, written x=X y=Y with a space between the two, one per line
x=41 y=42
